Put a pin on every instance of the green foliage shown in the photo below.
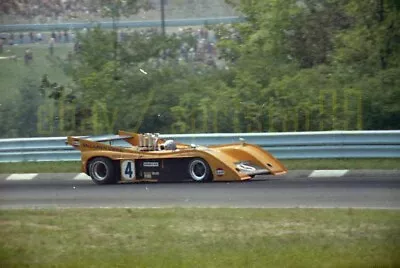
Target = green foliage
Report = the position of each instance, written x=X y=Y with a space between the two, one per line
x=19 y=116
x=292 y=66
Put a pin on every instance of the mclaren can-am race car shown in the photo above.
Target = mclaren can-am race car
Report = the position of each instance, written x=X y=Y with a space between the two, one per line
x=134 y=157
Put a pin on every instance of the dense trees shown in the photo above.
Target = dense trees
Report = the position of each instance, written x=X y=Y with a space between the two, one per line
x=311 y=65
x=292 y=66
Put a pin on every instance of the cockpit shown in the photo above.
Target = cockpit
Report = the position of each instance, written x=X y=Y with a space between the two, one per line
x=152 y=142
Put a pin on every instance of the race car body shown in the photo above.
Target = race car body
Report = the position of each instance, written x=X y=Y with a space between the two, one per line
x=146 y=157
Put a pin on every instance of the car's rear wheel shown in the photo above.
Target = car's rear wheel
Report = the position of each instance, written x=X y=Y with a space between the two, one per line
x=102 y=170
x=199 y=170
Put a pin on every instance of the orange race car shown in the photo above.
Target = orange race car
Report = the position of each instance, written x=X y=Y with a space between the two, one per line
x=146 y=157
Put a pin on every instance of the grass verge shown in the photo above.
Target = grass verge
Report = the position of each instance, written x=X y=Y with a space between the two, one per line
x=41 y=167
x=343 y=163
x=13 y=73
x=194 y=237
x=309 y=164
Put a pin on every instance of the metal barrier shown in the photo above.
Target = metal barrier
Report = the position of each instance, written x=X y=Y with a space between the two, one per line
x=119 y=24
x=287 y=145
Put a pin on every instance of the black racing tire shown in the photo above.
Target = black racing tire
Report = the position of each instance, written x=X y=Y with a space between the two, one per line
x=102 y=171
x=199 y=170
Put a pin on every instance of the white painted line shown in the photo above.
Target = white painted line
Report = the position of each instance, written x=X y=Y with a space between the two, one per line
x=21 y=177
x=328 y=173
x=82 y=177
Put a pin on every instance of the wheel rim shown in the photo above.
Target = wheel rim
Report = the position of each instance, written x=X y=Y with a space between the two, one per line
x=100 y=170
x=198 y=170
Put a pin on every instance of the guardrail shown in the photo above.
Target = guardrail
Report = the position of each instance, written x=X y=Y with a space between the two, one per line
x=119 y=24
x=287 y=145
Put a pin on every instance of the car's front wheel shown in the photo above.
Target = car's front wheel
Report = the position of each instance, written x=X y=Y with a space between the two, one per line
x=199 y=170
x=102 y=170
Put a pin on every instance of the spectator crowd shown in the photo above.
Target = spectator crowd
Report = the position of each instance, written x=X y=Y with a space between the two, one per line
x=197 y=45
x=64 y=36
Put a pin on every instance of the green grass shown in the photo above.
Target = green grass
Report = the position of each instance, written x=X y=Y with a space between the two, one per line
x=196 y=237
x=13 y=73
x=41 y=167
x=344 y=163
x=304 y=164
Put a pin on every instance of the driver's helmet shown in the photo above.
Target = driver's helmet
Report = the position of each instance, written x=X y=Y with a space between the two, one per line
x=169 y=145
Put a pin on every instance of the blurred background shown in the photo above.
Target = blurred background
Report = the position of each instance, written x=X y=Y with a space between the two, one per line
x=84 y=67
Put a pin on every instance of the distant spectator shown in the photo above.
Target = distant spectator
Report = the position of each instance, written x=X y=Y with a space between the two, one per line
x=212 y=37
x=51 y=46
x=31 y=37
x=205 y=34
x=72 y=37
x=53 y=35
x=201 y=33
x=11 y=39
x=184 y=52
x=21 y=38
x=210 y=61
x=192 y=54
x=121 y=36
x=1 y=46
x=28 y=57
x=66 y=37
x=39 y=37
x=77 y=47
x=69 y=56
x=59 y=37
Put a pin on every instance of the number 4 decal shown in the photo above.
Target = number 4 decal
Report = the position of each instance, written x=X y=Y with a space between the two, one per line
x=128 y=169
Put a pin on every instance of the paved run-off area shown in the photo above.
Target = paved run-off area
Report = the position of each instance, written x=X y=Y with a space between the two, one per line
x=307 y=188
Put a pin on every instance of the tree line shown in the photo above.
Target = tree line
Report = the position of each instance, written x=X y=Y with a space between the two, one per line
x=292 y=66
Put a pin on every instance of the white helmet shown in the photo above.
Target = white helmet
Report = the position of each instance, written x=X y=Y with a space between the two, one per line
x=169 y=145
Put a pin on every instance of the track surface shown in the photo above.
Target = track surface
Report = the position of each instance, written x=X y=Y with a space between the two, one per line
x=358 y=191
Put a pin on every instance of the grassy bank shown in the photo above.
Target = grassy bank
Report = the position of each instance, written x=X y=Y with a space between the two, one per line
x=309 y=164
x=199 y=238
x=14 y=72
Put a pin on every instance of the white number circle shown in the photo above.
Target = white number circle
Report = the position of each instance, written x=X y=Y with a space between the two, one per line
x=128 y=169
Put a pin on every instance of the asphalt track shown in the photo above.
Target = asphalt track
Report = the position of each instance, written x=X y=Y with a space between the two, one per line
x=360 y=189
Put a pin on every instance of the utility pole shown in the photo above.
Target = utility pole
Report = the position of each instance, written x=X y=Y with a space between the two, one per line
x=115 y=17
x=162 y=17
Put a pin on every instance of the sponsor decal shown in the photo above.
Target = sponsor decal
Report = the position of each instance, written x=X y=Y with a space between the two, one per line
x=155 y=173
x=220 y=172
x=75 y=143
x=147 y=175
x=102 y=147
x=151 y=164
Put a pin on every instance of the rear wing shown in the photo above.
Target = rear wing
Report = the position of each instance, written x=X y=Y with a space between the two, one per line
x=143 y=142
x=95 y=142
x=74 y=141
x=108 y=138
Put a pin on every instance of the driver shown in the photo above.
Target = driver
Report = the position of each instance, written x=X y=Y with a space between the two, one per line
x=168 y=145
